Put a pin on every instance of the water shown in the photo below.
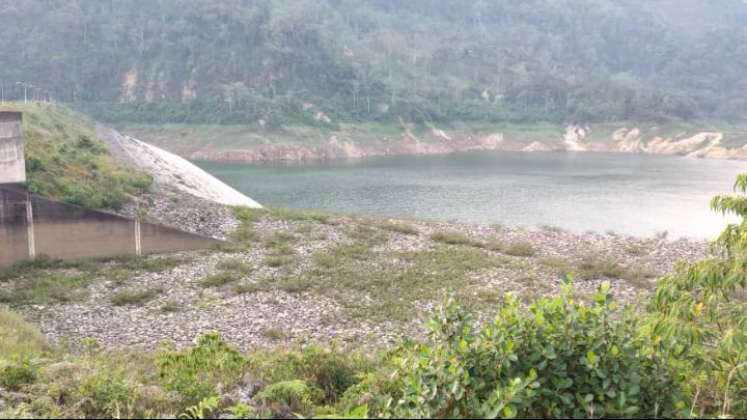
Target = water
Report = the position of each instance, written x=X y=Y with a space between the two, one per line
x=631 y=194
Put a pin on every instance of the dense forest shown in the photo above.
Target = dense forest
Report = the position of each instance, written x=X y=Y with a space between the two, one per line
x=361 y=60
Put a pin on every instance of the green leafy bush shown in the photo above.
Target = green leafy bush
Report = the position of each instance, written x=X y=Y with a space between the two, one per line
x=326 y=369
x=563 y=359
x=196 y=372
x=13 y=377
x=295 y=396
x=698 y=318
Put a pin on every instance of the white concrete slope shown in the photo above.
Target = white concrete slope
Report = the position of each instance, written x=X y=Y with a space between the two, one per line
x=170 y=169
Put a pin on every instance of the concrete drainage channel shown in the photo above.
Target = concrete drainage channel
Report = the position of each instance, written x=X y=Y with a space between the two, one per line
x=32 y=226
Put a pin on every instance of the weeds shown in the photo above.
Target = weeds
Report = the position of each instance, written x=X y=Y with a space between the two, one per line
x=134 y=296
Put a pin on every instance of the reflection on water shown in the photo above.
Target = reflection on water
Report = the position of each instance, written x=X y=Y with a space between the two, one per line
x=631 y=194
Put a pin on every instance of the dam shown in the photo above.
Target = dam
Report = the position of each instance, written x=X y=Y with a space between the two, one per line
x=32 y=226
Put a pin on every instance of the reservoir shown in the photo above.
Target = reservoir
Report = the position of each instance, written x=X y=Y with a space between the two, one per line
x=639 y=195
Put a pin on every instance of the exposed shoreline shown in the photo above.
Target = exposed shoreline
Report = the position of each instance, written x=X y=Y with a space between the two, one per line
x=247 y=144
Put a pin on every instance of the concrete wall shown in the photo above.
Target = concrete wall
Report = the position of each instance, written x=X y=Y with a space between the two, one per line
x=12 y=161
x=64 y=231
x=14 y=244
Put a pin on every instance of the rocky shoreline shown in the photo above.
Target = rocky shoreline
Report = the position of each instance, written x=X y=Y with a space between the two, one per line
x=277 y=316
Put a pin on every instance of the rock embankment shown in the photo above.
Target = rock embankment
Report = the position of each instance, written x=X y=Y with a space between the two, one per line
x=183 y=195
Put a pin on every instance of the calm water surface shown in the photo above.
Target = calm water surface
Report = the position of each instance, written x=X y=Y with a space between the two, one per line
x=632 y=194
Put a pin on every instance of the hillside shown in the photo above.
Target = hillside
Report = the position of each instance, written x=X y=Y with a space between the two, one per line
x=310 y=62
x=66 y=161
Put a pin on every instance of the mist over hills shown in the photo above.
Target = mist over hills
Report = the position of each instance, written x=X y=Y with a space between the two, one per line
x=232 y=61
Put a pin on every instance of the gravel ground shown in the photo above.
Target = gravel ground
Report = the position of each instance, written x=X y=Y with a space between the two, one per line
x=275 y=318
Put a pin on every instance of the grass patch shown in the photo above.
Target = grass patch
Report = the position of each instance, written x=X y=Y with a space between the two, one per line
x=280 y=243
x=45 y=288
x=384 y=286
x=277 y=261
x=368 y=235
x=595 y=267
x=134 y=297
x=274 y=334
x=170 y=307
x=234 y=264
x=520 y=249
x=495 y=245
x=247 y=215
x=220 y=279
x=560 y=266
x=149 y=265
x=400 y=228
x=19 y=338
x=247 y=288
x=245 y=234
x=455 y=238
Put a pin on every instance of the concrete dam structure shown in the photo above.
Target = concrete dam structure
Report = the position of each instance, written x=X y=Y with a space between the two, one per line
x=32 y=226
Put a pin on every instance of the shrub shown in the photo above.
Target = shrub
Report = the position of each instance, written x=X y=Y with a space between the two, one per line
x=15 y=376
x=234 y=264
x=328 y=370
x=563 y=359
x=134 y=296
x=196 y=372
x=220 y=279
x=401 y=228
x=520 y=249
x=698 y=318
x=455 y=238
x=107 y=393
x=294 y=396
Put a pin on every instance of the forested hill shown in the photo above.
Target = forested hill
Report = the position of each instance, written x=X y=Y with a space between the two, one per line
x=435 y=60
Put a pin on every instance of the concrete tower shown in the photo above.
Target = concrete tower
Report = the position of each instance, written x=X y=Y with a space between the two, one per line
x=12 y=162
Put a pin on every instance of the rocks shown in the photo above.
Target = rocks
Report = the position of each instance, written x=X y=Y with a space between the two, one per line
x=267 y=319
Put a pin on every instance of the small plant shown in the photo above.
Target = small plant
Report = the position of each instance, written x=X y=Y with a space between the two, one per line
x=196 y=372
x=202 y=410
x=593 y=267
x=495 y=245
x=245 y=234
x=399 y=228
x=274 y=334
x=455 y=238
x=134 y=296
x=294 y=396
x=248 y=288
x=276 y=261
x=170 y=307
x=220 y=279
x=520 y=249
x=234 y=264
x=13 y=377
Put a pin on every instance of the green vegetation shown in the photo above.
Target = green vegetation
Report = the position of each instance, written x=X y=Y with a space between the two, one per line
x=134 y=296
x=520 y=249
x=284 y=63
x=681 y=355
x=194 y=373
x=392 y=291
x=220 y=279
x=65 y=161
x=400 y=228
x=455 y=238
